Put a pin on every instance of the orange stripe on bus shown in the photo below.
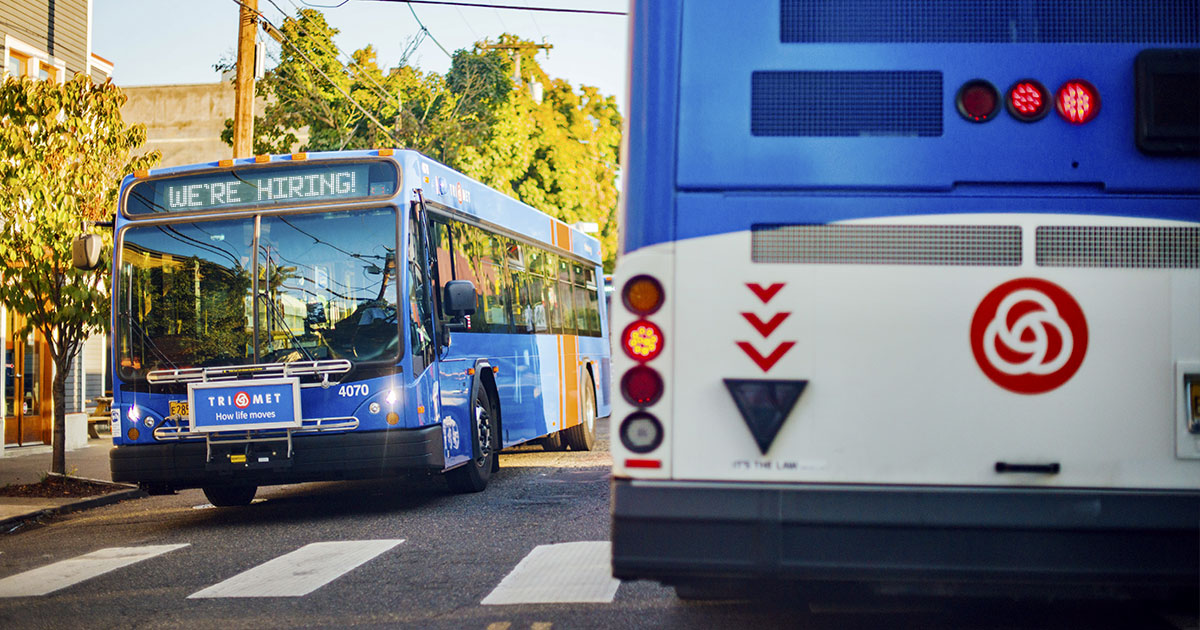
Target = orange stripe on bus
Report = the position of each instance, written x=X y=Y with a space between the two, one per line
x=562 y=235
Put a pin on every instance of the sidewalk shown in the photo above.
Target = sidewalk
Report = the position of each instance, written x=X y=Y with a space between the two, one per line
x=29 y=464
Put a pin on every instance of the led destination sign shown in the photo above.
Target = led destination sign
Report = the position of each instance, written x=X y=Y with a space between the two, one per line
x=288 y=185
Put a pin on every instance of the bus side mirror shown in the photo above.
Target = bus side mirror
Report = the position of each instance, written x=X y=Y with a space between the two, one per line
x=85 y=252
x=460 y=298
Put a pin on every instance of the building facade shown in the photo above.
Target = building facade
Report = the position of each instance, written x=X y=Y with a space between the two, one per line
x=50 y=40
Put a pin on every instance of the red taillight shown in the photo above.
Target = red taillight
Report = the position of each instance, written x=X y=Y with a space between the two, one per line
x=1028 y=100
x=642 y=340
x=1077 y=101
x=977 y=100
x=642 y=386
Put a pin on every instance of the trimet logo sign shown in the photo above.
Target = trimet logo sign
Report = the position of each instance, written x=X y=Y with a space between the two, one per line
x=1029 y=336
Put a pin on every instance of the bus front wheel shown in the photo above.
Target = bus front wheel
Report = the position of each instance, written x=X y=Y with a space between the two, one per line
x=230 y=496
x=474 y=475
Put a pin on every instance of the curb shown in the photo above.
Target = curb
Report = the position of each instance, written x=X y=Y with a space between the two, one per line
x=75 y=506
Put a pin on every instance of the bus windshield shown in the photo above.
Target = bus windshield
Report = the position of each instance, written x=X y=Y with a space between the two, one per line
x=325 y=282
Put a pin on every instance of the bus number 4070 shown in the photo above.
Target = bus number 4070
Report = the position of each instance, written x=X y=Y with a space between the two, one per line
x=357 y=389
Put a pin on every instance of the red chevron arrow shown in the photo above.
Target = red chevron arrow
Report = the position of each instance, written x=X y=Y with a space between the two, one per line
x=765 y=294
x=765 y=328
x=769 y=361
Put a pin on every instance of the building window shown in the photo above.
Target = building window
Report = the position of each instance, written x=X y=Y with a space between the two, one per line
x=23 y=60
x=18 y=64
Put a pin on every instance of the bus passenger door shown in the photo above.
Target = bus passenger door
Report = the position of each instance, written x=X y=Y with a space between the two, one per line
x=444 y=382
x=422 y=400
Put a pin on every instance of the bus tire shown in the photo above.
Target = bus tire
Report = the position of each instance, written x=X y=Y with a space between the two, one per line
x=554 y=442
x=156 y=489
x=473 y=476
x=582 y=437
x=230 y=496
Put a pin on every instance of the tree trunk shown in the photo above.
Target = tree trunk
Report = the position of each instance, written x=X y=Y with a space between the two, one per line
x=58 y=460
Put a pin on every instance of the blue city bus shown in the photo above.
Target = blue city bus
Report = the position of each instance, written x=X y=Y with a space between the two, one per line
x=344 y=315
x=908 y=298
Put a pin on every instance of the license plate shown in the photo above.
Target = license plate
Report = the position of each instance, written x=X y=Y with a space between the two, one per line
x=179 y=408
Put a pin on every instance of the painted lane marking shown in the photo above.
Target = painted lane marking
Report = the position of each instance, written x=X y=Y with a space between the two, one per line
x=62 y=574
x=299 y=572
x=577 y=572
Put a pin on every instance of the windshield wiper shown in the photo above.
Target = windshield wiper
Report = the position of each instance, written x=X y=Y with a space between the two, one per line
x=150 y=342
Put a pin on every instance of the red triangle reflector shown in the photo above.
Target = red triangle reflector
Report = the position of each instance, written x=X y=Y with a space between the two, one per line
x=764 y=405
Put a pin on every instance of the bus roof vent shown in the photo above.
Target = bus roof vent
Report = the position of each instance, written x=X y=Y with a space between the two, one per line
x=989 y=21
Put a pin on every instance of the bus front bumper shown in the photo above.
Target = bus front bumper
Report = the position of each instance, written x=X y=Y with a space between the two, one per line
x=321 y=457
x=911 y=539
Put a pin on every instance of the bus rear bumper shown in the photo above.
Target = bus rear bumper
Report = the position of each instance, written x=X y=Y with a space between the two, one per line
x=911 y=539
x=325 y=457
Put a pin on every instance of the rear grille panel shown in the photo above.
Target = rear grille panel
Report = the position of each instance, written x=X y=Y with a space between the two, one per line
x=949 y=245
x=1118 y=247
x=990 y=21
x=840 y=104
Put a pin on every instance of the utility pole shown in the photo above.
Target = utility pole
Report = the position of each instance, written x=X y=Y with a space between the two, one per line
x=518 y=48
x=243 y=85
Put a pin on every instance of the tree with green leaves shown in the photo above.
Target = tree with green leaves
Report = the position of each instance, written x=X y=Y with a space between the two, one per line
x=558 y=153
x=63 y=151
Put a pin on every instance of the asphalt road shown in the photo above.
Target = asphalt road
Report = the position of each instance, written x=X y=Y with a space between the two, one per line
x=428 y=559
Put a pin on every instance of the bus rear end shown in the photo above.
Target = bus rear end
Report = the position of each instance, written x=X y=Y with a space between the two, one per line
x=910 y=296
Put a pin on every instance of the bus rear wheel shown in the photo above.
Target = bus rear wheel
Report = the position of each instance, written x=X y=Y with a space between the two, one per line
x=473 y=476
x=554 y=442
x=582 y=437
x=230 y=496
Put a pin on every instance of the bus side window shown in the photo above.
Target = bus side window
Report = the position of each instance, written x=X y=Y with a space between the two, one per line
x=478 y=257
x=582 y=322
x=496 y=287
x=553 y=307
x=566 y=296
x=592 y=298
x=522 y=307
x=537 y=291
x=467 y=247
x=443 y=271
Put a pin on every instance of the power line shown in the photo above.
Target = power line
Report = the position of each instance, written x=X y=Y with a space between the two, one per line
x=284 y=39
x=509 y=7
x=381 y=92
x=426 y=31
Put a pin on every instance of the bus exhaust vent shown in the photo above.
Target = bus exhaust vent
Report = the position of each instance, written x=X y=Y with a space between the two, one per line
x=957 y=245
x=827 y=103
x=1114 y=246
x=990 y=21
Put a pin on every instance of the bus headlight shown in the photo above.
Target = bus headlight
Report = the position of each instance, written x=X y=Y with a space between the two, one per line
x=641 y=432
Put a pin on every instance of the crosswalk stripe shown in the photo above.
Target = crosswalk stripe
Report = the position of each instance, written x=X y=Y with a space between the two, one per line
x=556 y=574
x=301 y=571
x=62 y=574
